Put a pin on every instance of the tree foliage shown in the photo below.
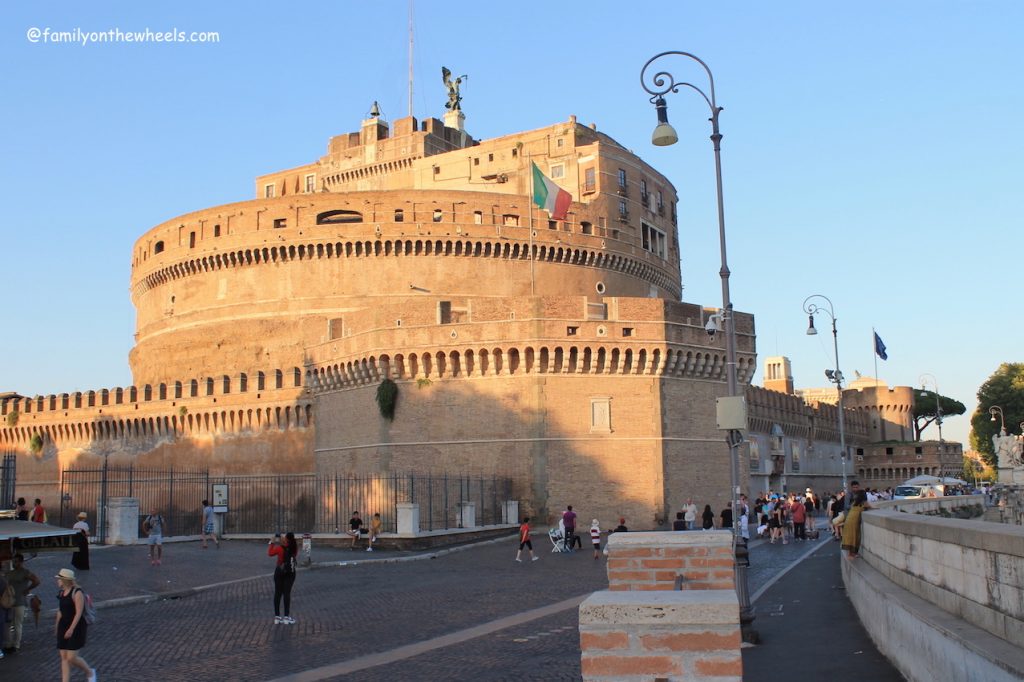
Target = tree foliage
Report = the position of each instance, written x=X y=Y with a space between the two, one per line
x=387 y=398
x=925 y=413
x=1005 y=389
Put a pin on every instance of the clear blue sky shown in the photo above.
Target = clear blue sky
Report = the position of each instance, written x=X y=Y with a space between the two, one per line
x=872 y=153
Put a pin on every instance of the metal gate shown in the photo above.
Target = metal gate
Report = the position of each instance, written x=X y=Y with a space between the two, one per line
x=8 y=479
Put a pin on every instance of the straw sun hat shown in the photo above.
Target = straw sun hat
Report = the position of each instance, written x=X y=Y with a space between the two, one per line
x=65 y=574
x=83 y=515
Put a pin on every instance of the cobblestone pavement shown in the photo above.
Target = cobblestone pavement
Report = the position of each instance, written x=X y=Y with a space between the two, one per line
x=226 y=633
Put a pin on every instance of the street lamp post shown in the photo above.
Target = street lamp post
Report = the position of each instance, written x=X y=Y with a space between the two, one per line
x=924 y=378
x=834 y=376
x=662 y=83
x=996 y=410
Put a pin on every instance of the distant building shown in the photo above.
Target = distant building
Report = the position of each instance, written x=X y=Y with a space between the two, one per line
x=802 y=437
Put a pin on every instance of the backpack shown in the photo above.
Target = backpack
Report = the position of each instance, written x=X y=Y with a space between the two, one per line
x=88 y=610
x=7 y=599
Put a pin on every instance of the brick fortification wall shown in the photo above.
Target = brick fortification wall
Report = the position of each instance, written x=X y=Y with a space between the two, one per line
x=616 y=419
x=256 y=422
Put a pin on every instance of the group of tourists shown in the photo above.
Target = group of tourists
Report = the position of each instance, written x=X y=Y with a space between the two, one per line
x=688 y=518
x=566 y=536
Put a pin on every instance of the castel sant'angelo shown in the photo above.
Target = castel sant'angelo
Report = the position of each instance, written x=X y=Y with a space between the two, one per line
x=554 y=352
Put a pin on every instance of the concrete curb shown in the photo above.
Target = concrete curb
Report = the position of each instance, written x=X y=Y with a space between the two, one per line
x=192 y=591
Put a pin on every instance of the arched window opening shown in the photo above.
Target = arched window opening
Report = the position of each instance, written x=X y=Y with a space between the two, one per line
x=338 y=217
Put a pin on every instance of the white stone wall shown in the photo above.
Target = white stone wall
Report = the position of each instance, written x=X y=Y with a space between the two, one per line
x=942 y=598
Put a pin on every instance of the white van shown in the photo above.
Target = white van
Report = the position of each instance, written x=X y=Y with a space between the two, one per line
x=910 y=492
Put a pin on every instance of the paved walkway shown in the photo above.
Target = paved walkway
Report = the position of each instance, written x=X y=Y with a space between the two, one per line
x=465 y=615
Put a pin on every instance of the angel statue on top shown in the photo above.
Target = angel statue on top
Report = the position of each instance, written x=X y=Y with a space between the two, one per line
x=1008 y=449
x=454 y=99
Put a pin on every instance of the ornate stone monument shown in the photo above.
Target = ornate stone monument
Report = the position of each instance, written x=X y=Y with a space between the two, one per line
x=1008 y=449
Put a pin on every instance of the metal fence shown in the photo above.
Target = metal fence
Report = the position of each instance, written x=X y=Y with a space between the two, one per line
x=8 y=479
x=176 y=493
x=278 y=503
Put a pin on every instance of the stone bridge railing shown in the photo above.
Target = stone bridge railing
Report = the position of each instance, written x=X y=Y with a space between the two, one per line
x=942 y=597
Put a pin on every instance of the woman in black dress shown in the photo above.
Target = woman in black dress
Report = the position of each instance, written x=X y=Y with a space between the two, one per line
x=70 y=626
x=707 y=518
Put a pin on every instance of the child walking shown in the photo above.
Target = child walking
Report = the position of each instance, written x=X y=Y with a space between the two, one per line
x=524 y=540
x=595 y=538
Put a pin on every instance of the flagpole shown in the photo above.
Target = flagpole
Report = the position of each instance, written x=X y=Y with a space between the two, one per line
x=533 y=280
x=874 y=353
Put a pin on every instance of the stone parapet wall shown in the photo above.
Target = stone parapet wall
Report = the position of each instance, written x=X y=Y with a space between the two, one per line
x=943 y=598
x=971 y=569
x=642 y=629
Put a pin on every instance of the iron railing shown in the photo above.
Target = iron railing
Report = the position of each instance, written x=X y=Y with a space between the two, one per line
x=281 y=502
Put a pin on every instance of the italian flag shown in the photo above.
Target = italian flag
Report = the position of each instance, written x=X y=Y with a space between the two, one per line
x=549 y=196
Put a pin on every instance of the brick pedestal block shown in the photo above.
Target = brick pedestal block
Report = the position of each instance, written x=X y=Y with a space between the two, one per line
x=679 y=635
x=691 y=560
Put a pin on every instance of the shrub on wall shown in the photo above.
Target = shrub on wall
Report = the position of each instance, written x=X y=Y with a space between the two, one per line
x=387 y=397
x=12 y=419
x=35 y=445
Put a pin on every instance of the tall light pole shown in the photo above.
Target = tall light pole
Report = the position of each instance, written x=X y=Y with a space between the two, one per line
x=835 y=376
x=662 y=83
x=924 y=378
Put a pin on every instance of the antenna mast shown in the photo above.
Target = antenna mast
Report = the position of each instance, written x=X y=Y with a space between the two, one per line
x=410 y=57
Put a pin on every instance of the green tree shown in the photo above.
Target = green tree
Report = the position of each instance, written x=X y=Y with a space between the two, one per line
x=924 y=410
x=1005 y=389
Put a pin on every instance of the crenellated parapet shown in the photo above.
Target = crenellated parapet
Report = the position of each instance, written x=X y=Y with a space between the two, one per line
x=814 y=421
x=260 y=400
x=508 y=337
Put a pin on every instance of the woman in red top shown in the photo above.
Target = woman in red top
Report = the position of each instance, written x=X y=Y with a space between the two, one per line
x=286 y=552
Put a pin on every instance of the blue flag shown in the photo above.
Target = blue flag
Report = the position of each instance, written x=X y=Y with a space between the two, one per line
x=880 y=347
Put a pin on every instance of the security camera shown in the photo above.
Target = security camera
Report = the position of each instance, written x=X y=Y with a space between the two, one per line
x=711 y=327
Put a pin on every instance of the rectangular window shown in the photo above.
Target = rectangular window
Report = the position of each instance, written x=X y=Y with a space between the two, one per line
x=755 y=455
x=552 y=225
x=444 y=312
x=510 y=220
x=268 y=191
x=590 y=180
x=661 y=202
x=191 y=240
x=888 y=451
x=478 y=217
x=280 y=222
x=623 y=211
x=216 y=230
x=622 y=178
x=558 y=171
x=311 y=182
x=399 y=215
x=560 y=142
x=643 y=190
x=652 y=239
